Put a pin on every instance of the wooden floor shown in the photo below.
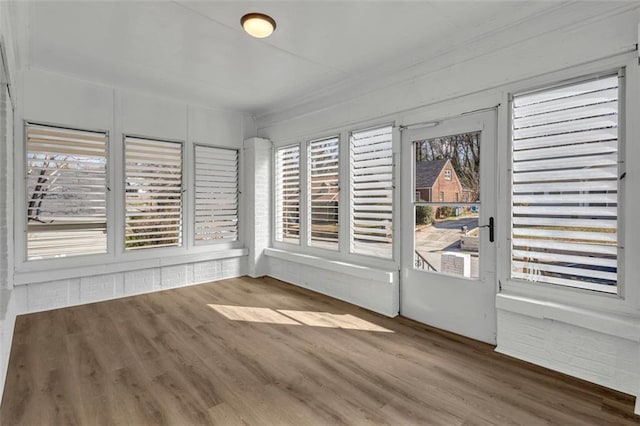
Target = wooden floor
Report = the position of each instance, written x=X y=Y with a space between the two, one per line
x=246 y=351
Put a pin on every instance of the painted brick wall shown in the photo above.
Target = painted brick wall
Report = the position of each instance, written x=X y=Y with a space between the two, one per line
x=600 y=358
x=258 y=156
x=449 y=187
x=58 y=294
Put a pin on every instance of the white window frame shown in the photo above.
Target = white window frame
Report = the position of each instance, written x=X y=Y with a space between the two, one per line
x=625 y=299
x=343 y=254
x=447 y=174
x=307 y=200
x=302 y=208
x=185 y=226
x=621 y=168
x=26 y=124
x=20 y=197
x=394 y=198
x=116 y=259
x=192 y=200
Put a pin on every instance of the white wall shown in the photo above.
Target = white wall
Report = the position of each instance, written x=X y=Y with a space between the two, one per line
x=480 y=75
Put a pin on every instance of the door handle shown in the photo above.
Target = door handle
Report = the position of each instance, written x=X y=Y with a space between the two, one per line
x=490 y=226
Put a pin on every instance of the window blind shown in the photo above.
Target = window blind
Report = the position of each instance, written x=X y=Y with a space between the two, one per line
x=66 y=192
x=371 y=213
x=287 y=208
x=565 y=185
x=153 y=191
x=216 y=211
x=323 y=192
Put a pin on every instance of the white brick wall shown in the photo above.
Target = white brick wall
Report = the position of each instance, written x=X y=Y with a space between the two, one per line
x=258 y=159
x=142 y=281
x=206 y=271
x=176 y=276
x=597 y=357
x=100 y=287
x=62 y=293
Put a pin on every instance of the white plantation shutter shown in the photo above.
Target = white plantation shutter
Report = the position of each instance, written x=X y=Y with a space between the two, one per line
x=216 y=212
x=323 y=192
x=66 y=192
x=287 y=179
x=153 y=191
x=371 y=192
x=565 y=185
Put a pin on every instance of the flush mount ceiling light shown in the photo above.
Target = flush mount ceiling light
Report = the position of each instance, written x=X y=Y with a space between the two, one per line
x=258 y=25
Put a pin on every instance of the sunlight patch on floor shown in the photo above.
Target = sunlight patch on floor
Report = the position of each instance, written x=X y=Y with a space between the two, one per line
x=291 y=317
x=251 y=314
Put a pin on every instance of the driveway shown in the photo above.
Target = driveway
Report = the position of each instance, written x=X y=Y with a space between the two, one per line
x=432 y=240
x=443 y=235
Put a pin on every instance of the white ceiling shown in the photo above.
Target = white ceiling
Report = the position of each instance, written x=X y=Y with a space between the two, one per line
x=198 y=51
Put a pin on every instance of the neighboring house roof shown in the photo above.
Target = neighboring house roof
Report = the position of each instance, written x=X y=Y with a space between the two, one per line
x=427 y=172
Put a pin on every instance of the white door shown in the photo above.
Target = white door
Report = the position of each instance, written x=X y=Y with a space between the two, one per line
x=448 y=278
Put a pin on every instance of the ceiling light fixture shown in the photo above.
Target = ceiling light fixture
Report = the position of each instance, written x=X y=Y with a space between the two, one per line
x=258 y=25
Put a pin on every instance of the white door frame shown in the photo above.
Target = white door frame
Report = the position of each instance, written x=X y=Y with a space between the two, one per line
x=460 y=305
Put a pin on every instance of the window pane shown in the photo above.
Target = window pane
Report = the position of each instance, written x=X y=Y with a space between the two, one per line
x=447 y=166
x=372 y=192
x=565 y=185
x=153 y=193
x=447 y=237
x=447 y=244
x=323 y=192
x=288 y=194
x=216 y=211
x=66 y=192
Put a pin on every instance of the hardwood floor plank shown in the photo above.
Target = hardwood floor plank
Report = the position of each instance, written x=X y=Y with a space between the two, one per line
x=258 y=352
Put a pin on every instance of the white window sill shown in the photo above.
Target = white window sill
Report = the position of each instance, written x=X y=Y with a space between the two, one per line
x=378 y=275
x=30 y=277
x=623 y=326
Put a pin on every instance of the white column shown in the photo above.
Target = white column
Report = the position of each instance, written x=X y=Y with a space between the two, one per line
x=257 y=173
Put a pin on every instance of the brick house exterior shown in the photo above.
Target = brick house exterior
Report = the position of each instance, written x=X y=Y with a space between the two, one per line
x=437 y=182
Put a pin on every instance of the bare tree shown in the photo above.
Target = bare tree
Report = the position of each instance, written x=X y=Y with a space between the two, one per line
x=462 y=150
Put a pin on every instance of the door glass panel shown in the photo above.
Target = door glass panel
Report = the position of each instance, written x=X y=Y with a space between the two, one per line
x=447 y=204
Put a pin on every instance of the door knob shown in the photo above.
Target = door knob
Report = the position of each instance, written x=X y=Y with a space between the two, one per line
x=490 y=226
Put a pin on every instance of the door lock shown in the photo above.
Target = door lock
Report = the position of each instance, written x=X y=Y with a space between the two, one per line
x=490 y=226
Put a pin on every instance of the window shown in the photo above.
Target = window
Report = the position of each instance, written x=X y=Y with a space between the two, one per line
x=565 y=185
x=439 y=245
x=287 y=211
x=457 y=197
x=418 y=197
x=447 y=174
x=66 y=192
x=323 y=192
x=153 y=192
x=216 y=194
x=371 y=167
